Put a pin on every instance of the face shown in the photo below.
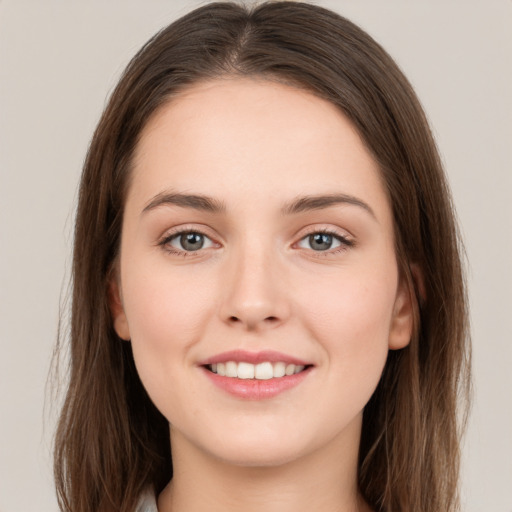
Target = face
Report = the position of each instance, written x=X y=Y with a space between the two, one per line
x=257 y=278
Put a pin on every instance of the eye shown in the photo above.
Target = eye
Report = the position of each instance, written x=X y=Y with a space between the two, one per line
x=324 y=241
x=187 y=241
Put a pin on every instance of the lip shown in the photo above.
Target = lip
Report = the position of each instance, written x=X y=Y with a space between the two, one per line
x=255 y=389
x=254 y=358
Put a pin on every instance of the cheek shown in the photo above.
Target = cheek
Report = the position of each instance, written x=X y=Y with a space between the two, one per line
x=167 y=313
x=351 y=320
x=351 y=304
x=162 y=303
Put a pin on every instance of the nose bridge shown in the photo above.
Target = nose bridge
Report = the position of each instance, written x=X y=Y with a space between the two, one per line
x=254 y=297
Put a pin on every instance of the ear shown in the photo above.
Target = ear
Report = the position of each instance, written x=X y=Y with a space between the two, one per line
x=115 y=304
x=402 y=322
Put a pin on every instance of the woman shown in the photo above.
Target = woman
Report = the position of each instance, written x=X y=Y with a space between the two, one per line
x=266 y=279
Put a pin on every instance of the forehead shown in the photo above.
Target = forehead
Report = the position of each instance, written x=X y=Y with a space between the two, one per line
x=255 y=138
x=261 y=108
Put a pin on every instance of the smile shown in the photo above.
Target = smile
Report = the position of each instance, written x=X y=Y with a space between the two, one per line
x=262 y=371
x=255 y=375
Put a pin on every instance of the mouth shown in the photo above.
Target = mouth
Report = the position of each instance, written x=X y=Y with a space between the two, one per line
x=255 y=376
x=265 y=370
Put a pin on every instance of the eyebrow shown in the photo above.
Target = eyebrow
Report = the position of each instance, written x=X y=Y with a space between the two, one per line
x=298 y=205
x=195 y=201
x=319 y=202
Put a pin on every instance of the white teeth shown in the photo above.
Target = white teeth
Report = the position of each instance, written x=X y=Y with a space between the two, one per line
x=245 y=371
x=279 y=369
x=290 y=369
x=231 y=369
x=261 y=371
x=264 y=371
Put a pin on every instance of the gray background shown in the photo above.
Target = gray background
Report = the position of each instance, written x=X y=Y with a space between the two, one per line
x=58 y=62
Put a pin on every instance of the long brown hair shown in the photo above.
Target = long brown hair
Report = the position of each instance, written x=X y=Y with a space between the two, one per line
x=111 y=441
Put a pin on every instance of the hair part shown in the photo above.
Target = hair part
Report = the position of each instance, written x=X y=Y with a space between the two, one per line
x=111 y=441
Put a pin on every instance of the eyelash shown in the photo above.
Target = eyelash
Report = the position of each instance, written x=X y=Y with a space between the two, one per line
x=164 y=243
x=345 y=243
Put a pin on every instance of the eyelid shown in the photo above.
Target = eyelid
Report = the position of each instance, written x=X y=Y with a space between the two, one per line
x=322 y=228
x=188 y=228
x=346 y=239
x=175 y=232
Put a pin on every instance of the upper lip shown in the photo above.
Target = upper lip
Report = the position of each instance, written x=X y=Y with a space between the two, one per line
x=245 y=356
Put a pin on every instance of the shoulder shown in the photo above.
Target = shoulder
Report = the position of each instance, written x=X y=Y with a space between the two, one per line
x=147 y=502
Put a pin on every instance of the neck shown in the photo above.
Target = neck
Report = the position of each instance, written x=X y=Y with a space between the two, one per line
x=323 y=481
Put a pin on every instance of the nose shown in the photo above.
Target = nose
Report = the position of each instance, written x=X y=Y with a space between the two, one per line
x=255 y=291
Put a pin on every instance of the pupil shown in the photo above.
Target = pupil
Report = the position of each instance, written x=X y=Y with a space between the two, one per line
x=192 y=241
x=320 y=241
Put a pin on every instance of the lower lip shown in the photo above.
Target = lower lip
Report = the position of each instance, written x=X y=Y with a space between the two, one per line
x=254 y=389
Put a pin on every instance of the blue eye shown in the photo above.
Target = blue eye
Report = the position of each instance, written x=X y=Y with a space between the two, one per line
x=323 y=241
x=187 y=241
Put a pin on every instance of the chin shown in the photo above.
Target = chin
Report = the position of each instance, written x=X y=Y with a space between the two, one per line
x=257 y=448
x=258 y=456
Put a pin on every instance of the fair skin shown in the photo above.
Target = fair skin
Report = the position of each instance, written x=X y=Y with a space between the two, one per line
x=261 y=270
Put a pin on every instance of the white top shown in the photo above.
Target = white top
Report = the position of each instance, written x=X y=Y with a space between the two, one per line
x=147 y=502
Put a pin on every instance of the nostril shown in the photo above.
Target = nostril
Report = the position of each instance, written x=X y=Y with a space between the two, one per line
x=252 y=323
